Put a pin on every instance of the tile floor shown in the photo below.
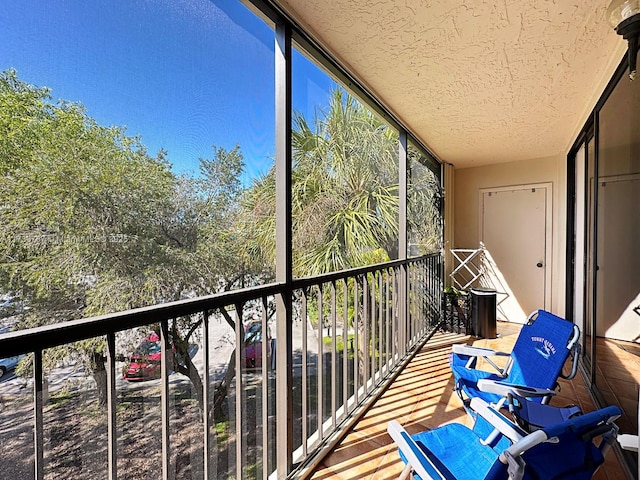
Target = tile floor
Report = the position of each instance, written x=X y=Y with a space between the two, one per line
x=422 y=397
x=618 y=377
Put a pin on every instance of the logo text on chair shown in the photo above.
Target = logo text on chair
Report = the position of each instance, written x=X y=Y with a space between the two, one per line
x=546 y=348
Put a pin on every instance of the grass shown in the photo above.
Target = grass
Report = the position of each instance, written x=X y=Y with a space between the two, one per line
x=222 y=431
x=59 y=399
x=350 y=339
x=339 y=342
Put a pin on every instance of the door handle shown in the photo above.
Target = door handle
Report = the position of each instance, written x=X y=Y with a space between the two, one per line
x=539 y=264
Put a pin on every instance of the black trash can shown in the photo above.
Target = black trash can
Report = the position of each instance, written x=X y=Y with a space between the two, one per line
x=483 y=312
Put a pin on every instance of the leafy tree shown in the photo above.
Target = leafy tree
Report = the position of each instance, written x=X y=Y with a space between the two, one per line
x=345 y=205
x=424 y=218
x=90 y=223
x=80 y=209
x=344 y=192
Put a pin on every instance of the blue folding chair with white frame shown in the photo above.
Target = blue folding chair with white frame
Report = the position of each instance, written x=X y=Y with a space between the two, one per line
x=532 y=368
x=496 y=449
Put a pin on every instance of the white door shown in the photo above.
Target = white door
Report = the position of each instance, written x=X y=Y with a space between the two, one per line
x=516 y=235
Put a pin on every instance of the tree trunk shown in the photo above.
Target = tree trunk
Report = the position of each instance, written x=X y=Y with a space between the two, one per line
x=190 y=370
x=99 y=373
x=222 y=389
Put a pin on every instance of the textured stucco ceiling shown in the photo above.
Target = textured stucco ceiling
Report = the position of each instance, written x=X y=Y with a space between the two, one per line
x=479 y=82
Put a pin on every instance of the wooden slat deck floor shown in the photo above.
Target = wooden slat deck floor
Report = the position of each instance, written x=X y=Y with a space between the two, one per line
x=421 y=398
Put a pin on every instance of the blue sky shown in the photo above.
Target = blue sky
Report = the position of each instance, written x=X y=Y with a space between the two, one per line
x=182 y=74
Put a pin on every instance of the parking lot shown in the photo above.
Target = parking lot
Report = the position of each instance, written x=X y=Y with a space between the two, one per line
x=74 y=376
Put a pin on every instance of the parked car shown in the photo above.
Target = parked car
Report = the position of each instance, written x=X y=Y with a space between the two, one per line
x=253 y=345
x=144 y=363
x=9 y=363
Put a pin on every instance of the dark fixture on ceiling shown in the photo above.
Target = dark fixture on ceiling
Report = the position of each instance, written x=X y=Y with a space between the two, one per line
x=624 y=17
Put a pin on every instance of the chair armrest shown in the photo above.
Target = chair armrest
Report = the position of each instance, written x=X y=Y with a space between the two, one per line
x=502 y=388
x=497 y=420
x=477 y=351
x=628 y=442
x=414 y=455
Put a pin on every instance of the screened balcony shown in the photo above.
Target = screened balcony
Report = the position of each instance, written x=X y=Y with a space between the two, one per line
x=275 y=188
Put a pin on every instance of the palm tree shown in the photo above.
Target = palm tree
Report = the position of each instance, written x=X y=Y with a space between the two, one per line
x=344 y=190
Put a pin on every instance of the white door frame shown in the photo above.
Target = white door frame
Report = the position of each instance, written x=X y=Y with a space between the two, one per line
x=548 y=248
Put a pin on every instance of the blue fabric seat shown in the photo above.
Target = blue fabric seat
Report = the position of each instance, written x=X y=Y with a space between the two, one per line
x=496 y=449
x=532 y=415
x=541 y=350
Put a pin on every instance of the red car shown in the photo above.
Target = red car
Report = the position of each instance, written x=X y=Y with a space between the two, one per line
x=145 y=360
x=253 y=345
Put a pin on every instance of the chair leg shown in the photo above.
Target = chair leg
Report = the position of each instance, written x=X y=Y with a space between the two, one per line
x=405 y=473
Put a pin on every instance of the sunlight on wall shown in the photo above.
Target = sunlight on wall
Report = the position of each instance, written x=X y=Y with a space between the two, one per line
x=508 y=308
x=627 y=325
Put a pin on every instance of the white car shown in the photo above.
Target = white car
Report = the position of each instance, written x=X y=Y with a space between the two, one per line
x=9 y=363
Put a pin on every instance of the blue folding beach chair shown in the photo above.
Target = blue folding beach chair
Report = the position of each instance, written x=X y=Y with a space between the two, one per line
x=497 y=449
x=533 y=367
